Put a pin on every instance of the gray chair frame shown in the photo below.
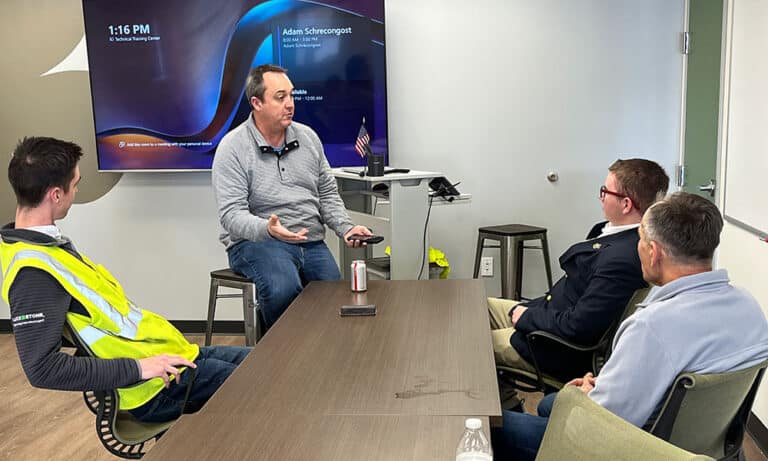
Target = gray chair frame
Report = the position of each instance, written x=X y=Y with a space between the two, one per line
x=512 y=238
x=248 y=293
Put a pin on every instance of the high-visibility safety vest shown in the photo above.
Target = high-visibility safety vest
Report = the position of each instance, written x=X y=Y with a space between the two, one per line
x=115 y=327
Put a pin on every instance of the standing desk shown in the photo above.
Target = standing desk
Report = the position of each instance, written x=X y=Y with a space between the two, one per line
x=409 y=201
x=397 y=385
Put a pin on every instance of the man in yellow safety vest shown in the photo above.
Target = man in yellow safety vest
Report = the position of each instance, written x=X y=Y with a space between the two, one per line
x=50 y=286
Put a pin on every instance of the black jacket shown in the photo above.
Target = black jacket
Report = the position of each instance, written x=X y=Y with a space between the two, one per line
x=601 y=274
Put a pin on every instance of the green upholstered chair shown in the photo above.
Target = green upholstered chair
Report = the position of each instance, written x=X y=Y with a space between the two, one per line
x=581 y=430
x=708 y=413
x=539 y=381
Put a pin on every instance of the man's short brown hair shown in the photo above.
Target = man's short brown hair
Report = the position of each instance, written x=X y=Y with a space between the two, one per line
x=643 y=181
x=254 y=85
x=39 y=163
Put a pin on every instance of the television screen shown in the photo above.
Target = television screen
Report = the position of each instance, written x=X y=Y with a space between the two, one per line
x=168 y=76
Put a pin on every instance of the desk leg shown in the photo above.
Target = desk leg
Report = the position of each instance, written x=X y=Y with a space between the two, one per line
x=353 y=200
x=409 y=203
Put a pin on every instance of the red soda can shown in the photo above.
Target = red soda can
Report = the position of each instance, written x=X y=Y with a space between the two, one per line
x=359 y=275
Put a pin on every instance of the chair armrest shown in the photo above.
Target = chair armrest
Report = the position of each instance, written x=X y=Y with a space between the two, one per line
x=538 y=337
x=533 y=336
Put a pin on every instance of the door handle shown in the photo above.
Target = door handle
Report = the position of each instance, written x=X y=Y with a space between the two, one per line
x=708 y=188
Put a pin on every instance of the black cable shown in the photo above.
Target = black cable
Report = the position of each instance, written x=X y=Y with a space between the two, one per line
x=441 y=192
x=424 y=248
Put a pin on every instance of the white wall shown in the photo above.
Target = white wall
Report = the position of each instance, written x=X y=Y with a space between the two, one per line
x=741 y=253
x=494 y=93
x=158 y=234
x=746 y=259
x=540 y=85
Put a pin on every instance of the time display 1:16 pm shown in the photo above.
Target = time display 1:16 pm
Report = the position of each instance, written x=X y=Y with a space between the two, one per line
x=126 y=29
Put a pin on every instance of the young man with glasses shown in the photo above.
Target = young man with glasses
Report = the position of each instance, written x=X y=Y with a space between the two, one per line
x=601 y=275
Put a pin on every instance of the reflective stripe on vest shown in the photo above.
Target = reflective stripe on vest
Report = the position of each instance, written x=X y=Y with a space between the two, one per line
x=128 y=325
x=90 y=335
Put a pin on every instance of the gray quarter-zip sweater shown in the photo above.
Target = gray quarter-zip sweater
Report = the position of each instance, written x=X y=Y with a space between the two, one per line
x=251 y=181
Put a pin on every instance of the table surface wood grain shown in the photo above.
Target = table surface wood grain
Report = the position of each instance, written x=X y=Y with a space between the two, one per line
x=396 y=385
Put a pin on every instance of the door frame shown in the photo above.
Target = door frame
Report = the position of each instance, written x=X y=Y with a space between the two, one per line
x=722 y=98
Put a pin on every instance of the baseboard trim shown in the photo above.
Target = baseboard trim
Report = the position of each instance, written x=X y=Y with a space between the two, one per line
x=225 y=327
x=759 y=433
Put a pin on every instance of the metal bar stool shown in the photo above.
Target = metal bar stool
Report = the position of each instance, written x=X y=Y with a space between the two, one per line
x=511 y=238
x=251 y=311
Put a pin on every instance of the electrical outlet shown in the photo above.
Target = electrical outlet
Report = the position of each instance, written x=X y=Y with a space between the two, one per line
x=486 y=266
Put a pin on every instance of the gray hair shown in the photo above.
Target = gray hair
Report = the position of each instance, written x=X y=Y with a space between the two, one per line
x=254 y=85
x=686 y=225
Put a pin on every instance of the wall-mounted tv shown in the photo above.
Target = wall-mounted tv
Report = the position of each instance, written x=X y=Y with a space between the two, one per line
x=168 y=76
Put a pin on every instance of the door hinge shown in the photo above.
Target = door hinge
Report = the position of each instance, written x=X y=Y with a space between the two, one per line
x=680 y=175
x=686 y=43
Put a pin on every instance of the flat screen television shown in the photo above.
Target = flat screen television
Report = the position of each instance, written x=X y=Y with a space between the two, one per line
x=168 y=76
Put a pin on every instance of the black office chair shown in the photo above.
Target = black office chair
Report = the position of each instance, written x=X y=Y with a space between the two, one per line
x=528 y=381
x=120 y=433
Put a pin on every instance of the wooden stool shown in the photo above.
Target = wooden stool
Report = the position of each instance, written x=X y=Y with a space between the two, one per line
x=251 y=314
x=511 y=238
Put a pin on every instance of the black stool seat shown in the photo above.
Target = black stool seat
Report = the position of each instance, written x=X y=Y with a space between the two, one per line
x=512 y=229
x=227 y=274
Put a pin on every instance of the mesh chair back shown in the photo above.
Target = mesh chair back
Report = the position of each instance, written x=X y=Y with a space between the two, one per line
x=580 y=429
x=120 y=433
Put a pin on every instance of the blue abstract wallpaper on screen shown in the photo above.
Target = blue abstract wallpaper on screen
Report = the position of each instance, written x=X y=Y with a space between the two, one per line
x=168 y=76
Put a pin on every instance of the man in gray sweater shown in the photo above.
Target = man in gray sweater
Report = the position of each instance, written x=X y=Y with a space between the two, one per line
x=275 y=193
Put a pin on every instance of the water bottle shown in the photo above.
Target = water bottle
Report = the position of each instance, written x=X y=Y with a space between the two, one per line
x=474 y=445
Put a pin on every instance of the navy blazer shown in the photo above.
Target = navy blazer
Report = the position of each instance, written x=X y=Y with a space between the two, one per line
x=601 y=275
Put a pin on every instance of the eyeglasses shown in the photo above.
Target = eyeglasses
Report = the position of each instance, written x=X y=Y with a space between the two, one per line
x=604 y=190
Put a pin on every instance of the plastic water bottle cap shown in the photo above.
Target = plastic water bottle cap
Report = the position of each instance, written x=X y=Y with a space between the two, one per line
x=473 y=423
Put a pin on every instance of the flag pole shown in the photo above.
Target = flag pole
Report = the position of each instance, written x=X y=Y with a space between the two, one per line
x=365 y=167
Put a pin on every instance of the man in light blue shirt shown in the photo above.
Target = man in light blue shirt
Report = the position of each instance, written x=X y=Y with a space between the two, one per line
x=678 y=328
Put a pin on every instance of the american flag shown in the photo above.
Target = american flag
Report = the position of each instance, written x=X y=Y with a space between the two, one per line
x=362 y=140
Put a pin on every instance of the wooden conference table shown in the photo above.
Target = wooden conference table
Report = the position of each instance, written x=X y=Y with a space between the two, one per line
x=395 y=386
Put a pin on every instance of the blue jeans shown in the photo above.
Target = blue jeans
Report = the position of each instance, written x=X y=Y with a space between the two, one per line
x=214 y=365
x=520 y=436
x=281 y=270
